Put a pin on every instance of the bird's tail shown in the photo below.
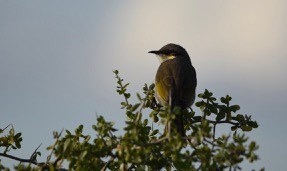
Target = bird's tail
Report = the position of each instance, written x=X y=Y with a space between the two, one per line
x=177 y=124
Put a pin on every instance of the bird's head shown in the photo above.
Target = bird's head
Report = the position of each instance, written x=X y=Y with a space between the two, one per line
x=170 y=51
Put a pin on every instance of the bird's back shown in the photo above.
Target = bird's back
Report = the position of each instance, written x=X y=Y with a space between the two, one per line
x=176 y=77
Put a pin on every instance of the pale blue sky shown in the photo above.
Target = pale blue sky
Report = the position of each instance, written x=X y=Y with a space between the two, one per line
x=57 y=57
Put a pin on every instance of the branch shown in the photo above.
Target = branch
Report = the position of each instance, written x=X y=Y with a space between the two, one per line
x=107 y=164
x=21 y=160
x=216 y=122
x=34 y=154
x=32 y=159
x=219 y=122
x=214 y=128
x=7 y=127
x=53 y=148
x=157 y=141
x=131 y=167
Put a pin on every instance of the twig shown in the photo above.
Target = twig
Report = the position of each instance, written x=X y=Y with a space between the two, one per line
x=53 y=147
x=143 y=104
x=214 y=127
x=6 y=127
x=31 y=160
x=34 y=153
x=55 y=164
x=107 y=164
x=218 y=122
x=131 y=167
x=21 y=160
x=158 y=141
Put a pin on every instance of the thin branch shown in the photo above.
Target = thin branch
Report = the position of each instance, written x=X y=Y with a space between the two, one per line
x=143 y=104
x=34 y=155
x=218 y=122
x=20 y=159
x=204 y=111
x=6 y=127
x=58 y=159
x=31 y=160
x=107 y=164
x=144 y=101
x=214 y=127
x=157 y=141
x=53 y=147
x=209 y=142
x=131 y=167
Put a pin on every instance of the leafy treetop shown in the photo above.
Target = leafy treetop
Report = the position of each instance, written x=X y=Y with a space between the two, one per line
x=144 y=146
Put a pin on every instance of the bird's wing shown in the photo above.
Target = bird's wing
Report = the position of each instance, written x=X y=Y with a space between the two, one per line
x=165 y=85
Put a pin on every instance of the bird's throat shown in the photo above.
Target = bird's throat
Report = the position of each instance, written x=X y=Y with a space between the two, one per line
x=163 y=58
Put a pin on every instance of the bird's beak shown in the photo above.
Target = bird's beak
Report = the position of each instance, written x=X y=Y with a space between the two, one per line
x=155 y=52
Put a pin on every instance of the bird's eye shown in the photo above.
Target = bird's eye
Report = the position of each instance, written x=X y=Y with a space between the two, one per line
x=169 y=53
x=174 y=53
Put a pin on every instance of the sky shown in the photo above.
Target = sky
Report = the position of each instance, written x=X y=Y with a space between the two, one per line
x=57 y=58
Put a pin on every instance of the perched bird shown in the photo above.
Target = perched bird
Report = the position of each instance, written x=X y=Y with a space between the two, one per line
x=175 y=81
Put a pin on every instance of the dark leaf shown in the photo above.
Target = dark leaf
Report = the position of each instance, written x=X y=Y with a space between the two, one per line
x=135 y=107
x=220 y=116
x=197 y=118
x=234 y=108
x=246 y=128
x=253 y=124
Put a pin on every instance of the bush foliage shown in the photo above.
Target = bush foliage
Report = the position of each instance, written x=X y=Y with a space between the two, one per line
x=144 y=145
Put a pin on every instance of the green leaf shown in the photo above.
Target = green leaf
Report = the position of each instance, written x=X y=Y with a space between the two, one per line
x=220 y=116
x=228 y=116
x=200 y=103
x=83 y=155
x=67 y=144
x=240 y=118
x=18 y=135
x=126 y=85
x=11 y=131
x=246 y=128
x=252 y=146
x=123 y=103
x=18 y=145
x=79 y=130
x=234 y=108
x=233 y=128
x=55 y=134
x=180 y=165
x=145 y=122
x=223 y=100
x=200 y=95
x=151 y=87
x=68 y=132
x=139 y=97
x=154 y=112
x=212 y=108
x=253 y=124
x=154 y=132
x=155 y=118
x=130 y=115
x=197 y=118
x=127 y=95
x=135 y=107
x=116 y=72
x=208 y=93
x=145 y=88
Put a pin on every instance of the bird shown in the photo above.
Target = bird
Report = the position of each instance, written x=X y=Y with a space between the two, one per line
x=175 y=82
